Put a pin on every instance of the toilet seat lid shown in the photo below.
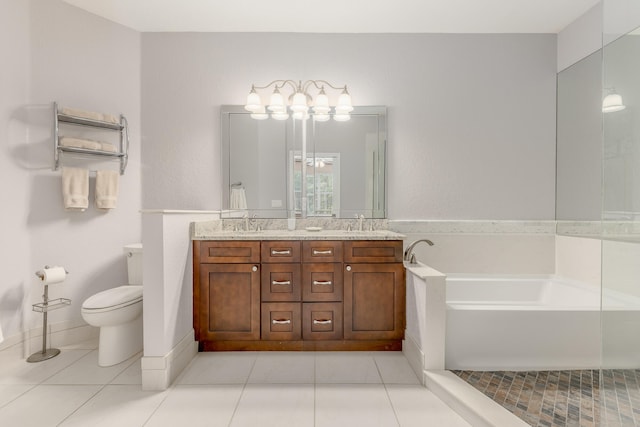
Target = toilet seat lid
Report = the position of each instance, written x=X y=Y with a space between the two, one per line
x=122 y=295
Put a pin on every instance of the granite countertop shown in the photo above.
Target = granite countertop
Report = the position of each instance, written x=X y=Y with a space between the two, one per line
x=300 y=235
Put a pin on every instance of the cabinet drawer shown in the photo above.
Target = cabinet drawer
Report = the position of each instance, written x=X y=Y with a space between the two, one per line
x=373 y=251
x=280 y=251
x=229 y=252
x=321 y=251
x=281 y=321
x=322 y=321
x=322 y=282
x=281 y=282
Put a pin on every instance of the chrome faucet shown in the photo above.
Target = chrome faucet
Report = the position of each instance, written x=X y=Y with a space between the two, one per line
x=360 y=221
x=408 y=253
x=246 y=222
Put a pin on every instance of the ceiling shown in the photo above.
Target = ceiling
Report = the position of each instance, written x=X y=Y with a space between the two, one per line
x=341 y=16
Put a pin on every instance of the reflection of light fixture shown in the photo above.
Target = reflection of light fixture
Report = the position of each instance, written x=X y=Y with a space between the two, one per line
x=299 y=101
x=612 y=102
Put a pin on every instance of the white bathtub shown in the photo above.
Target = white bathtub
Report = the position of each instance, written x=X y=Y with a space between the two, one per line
x=521 y=323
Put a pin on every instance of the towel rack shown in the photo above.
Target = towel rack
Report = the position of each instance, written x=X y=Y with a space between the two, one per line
x=123 y=128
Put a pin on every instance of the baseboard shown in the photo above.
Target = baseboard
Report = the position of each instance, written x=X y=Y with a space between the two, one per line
x=414 y=356
x=158 y=372
x=59 y=334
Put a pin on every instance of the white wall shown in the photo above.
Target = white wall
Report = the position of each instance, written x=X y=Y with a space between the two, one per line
x=56 y=52
x=471 y=117
x=580 y=38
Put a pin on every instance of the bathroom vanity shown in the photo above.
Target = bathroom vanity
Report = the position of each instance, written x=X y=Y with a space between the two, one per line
x=299 y=290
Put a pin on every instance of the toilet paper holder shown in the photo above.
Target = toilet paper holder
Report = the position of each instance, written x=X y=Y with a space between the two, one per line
x=44 y=307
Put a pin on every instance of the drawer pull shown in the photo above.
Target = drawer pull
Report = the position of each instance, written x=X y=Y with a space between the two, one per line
x=281 y=282
x=322 y=282
x=281 y=321
x=325 y=252
x=321 y=321
x=277 y=252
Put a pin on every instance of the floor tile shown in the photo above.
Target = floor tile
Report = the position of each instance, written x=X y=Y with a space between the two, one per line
x=346 y=368
x=416 y=406
x=87 y=371
x=18 y=371
x=117 y=405
x=219 y=368
x=46 y=405
x=283 y=368
x=353 y=405
x=275 y=405
x=131 y=375
x=9 y=392
x=394 y=368
x=197 y=405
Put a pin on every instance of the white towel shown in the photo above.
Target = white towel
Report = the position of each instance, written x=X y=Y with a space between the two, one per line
x=87 y=144
x=238 y=199
x=107 y=183
x=107 y=146
x=75 y=188
x=91 y=115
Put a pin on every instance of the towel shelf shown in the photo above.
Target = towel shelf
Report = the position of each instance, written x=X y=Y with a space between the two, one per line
x=122 y=128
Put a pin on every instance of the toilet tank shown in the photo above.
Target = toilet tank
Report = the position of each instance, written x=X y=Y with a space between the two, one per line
x=134 y=263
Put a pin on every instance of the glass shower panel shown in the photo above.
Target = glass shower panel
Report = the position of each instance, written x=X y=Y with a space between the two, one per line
x=620 y=230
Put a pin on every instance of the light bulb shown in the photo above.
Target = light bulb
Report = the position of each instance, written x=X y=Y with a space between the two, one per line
x=344 y=103
x=321 y=117
x=254 y=103
x=299 y=102
x=612 y=103
x=342 y=117
x=279 y=115
x=321 y=103
x=276 y=102
x=300 y=115
x=261 y=114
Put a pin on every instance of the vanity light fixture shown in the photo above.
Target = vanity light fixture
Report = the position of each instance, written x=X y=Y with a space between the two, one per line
x=300 y=102
x=612 y=102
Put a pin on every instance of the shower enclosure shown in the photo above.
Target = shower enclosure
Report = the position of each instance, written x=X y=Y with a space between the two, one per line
x=598 y=197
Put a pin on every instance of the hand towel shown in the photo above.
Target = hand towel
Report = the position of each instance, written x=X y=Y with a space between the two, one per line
x=110 y=118
x=87 y=144
x=107 y=146
x=91 y=115
x=75 y=188
x=107 y=183
x=238 y=199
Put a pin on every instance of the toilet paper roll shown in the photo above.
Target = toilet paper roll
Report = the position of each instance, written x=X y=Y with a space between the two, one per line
x=53 y=275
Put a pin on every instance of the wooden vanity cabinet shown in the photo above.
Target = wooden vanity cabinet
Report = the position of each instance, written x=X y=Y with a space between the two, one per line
x=299 y=295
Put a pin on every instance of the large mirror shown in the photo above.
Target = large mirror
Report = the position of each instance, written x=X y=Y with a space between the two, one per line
x=304 y=168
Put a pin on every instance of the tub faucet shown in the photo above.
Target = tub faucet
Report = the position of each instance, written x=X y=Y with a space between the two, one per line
x=408 y=253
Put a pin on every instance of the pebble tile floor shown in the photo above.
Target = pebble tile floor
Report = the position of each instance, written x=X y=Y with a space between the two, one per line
x=564 y=398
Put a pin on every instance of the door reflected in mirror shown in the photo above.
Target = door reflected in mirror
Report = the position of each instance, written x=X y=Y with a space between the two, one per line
x=343 y=172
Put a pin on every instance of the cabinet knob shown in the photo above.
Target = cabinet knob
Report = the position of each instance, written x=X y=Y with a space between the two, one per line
x=254 y=268
x=348 y=268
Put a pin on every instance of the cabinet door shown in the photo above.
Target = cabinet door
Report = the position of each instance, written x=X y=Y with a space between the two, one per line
x=374 y=301
x=229 y=302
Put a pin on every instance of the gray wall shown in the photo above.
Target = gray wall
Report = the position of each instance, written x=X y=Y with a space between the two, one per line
x=56 y=52
x=471 y=117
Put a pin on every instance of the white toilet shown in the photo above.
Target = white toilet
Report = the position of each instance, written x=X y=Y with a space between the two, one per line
x=118 y=313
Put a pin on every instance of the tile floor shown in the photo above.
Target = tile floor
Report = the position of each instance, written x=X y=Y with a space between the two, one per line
x=221 y=389
x=585 y=398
